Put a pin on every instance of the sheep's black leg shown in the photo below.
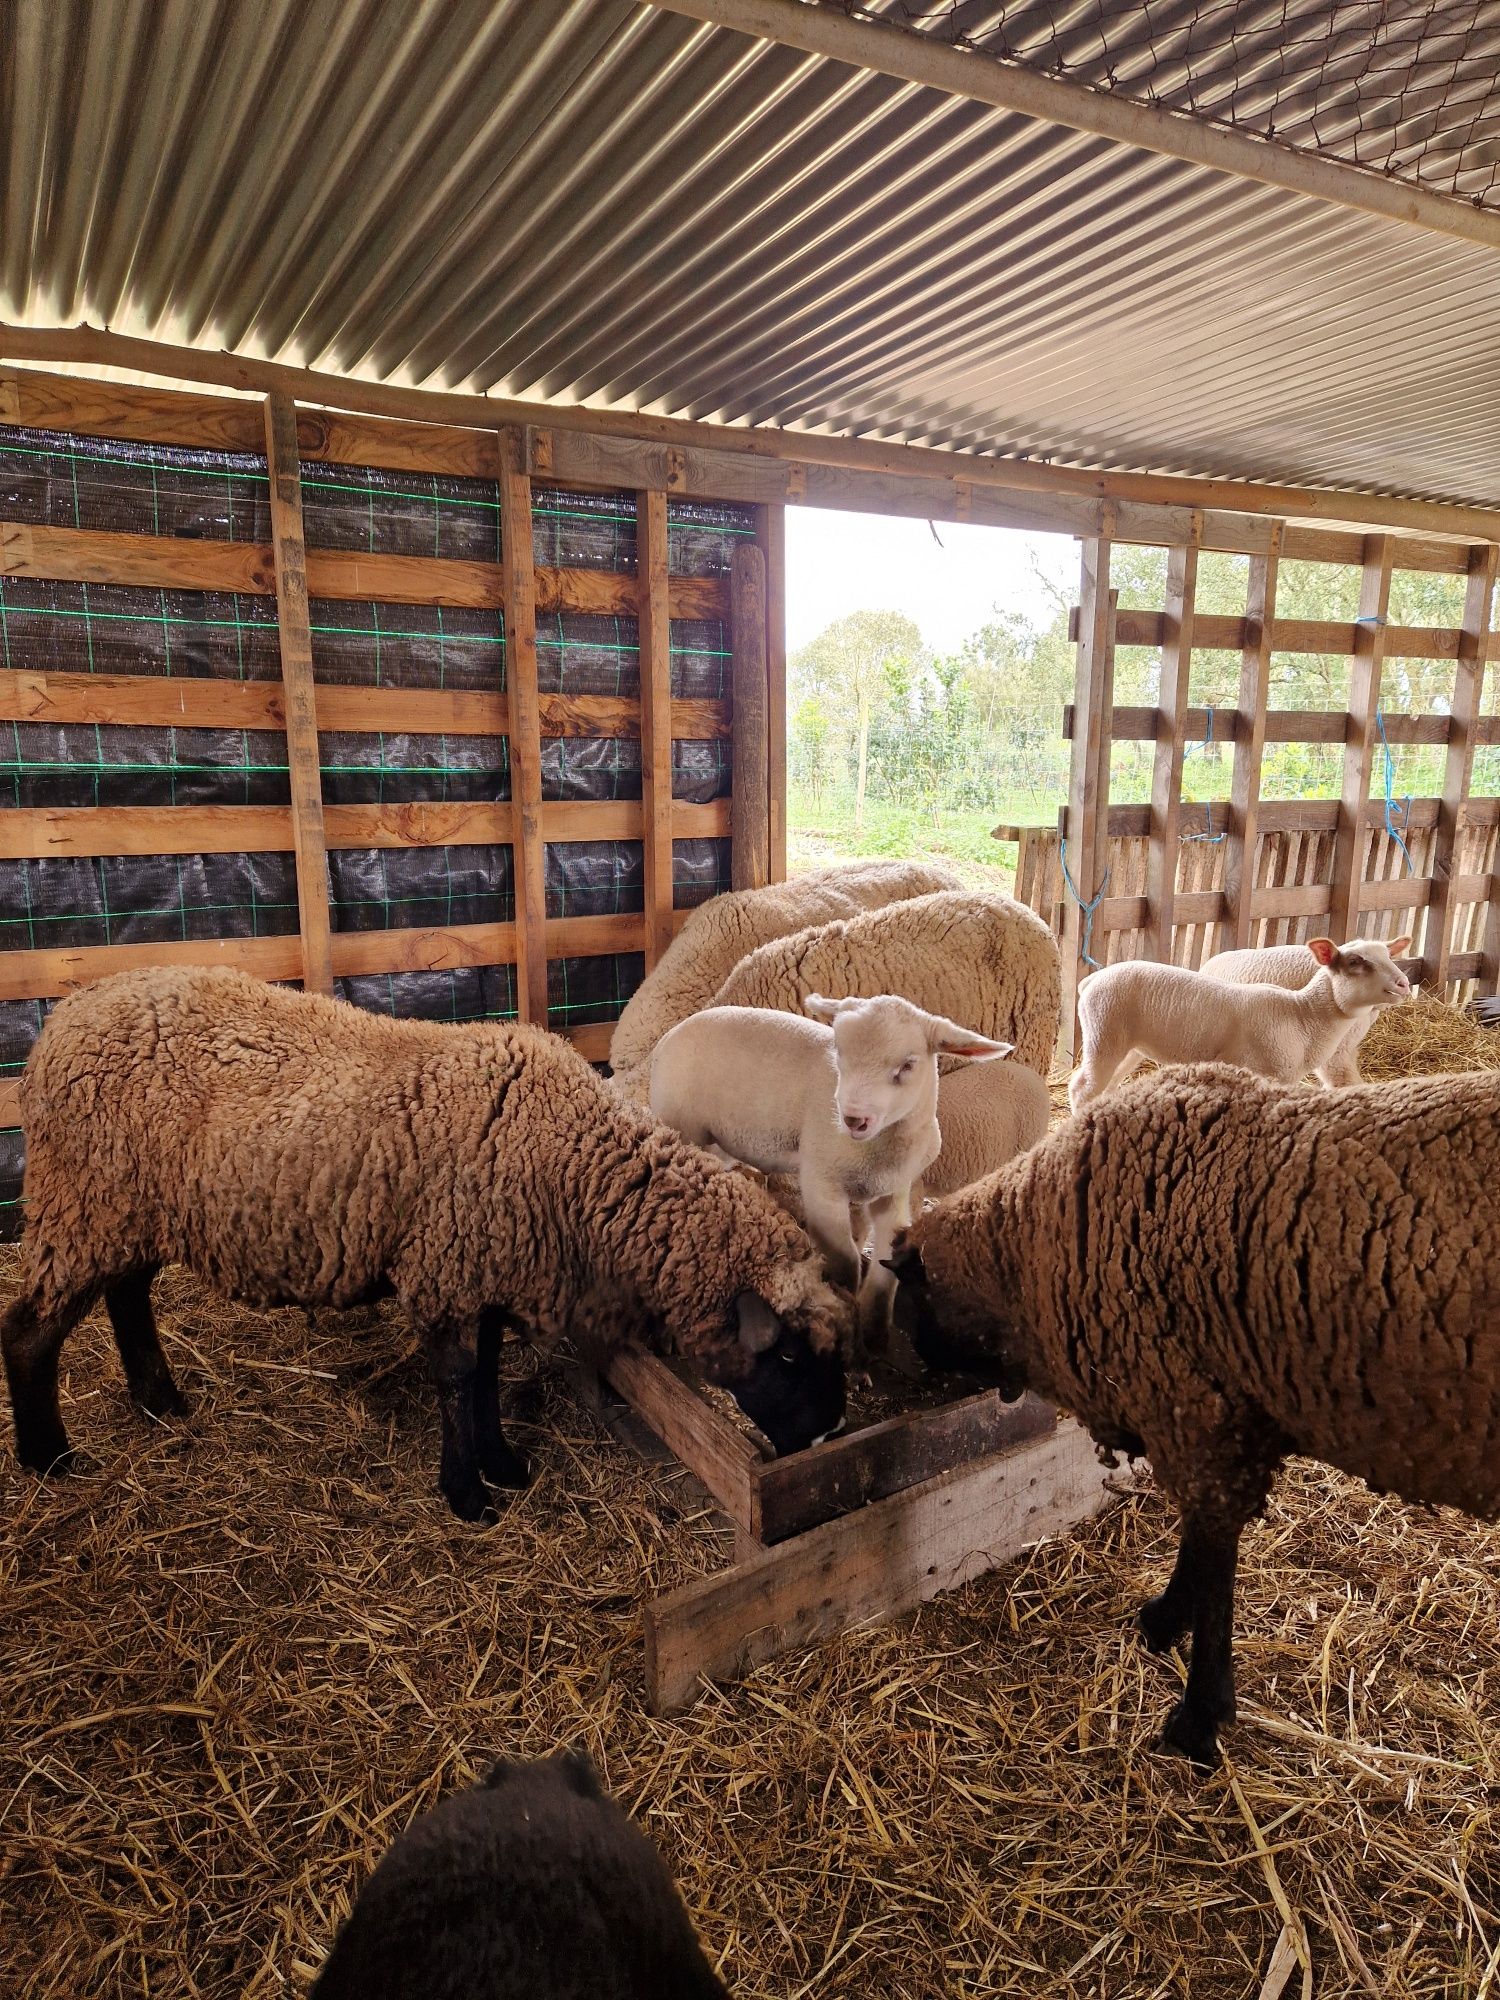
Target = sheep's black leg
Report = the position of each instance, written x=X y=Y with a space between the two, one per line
x=1209 y=1556
x=452 y=1357
x=31 y=1337
x=147 y=1376
x=1165 y=1618
x=498 y=1460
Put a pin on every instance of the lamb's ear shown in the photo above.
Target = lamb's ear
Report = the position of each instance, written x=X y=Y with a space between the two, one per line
x=819 y=1008
x=1324 y=950
x=1399 y=947
x=579 y=1771
x=947 y=1038
x=759 y=1326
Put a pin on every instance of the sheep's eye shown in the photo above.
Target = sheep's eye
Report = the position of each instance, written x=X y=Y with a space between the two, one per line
x=903 y=1073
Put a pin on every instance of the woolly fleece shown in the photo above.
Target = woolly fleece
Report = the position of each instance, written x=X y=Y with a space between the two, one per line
x=719 y=933
x=986 y=1113
x=1228 y=1271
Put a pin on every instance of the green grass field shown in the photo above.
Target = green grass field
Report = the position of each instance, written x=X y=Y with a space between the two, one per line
x=822 y=832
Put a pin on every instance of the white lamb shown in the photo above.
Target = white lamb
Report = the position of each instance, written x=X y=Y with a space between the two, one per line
x=1172 y=1015
x=849 y=1108
x=1292 y=966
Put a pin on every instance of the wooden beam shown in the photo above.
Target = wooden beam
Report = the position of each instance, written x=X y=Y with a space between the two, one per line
x=770 y=533
x=956 y=481
x=1088 y=784
x=529 y=853
x=1286 y=725
x=10 y=1103
x=305 y=776
x=1171 y=741
x=750 y=807
x=43 y=831
x=1468 y=692
x=1249 y=749
x=871 y=1564
x=711 y=1447
x=802 y=1491
x=654 y=632
x=170 y=562
x=1359 y=750
x=1222 y=633
x=200 y=702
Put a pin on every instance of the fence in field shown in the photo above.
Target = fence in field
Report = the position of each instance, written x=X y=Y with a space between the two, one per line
x=1174 y=880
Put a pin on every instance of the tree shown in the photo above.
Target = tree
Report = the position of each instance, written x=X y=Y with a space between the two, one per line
x=850 y=671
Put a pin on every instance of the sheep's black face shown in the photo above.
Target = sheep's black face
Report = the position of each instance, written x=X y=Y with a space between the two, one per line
x=792 y=1394
x=935 y=1343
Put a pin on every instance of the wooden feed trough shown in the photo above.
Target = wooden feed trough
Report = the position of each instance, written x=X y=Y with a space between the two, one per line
x=857 y=1529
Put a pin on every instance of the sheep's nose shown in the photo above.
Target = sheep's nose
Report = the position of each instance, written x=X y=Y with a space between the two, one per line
x=856 y=1125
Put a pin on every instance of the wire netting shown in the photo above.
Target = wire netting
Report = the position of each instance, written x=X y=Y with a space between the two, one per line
x=57 y=480
x=1408 y=92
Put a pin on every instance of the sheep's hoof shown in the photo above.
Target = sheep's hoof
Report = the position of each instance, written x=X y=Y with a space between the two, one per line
x=50 y=1454
x=1160 y=1626
x=471 y=1503
x=506 y=1468
x=160 y=1399
x=1187 y=1733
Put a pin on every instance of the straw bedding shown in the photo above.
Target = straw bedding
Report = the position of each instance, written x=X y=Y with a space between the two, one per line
x=237 y=1657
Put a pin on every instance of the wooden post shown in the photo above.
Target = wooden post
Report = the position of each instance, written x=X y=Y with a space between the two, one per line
x=1088 y=787
x=1249 y=746
x=1171 y=734
x=1359 y=744
x=304 y=772
x=655 y=641
x=1468 y=690
x=749 y=807
x=770 y=533
x=529 y=854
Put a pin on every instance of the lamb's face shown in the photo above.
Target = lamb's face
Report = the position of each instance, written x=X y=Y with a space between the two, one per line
x=885 y=1052
x=1365 y=971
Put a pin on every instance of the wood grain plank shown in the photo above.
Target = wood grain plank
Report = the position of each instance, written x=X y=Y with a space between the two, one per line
x=525 y=731
x=1249 y=746
x=871 y=1564
x=709 y=1445
x=1171 y=743
x=849 y=1471
x=305 y=776
x=1088 y=783
x=156 y=562
x=750 y=808
x=654 y=630
x=770 y=533
x=1468 y=692
x=1359 y=750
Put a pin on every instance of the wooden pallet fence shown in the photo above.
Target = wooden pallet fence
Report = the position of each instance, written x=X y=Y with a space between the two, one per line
x=1176 y=881
x=299 y=708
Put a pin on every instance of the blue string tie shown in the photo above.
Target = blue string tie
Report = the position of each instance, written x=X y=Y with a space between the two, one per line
x=1088 y=909
x=1390 y=797
x=1211 y=838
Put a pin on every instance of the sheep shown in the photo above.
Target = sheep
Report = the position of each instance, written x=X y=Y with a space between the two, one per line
x=986 y=1115
x=1173 y=1015
x=294 y=1150
x=531 y=1886
x=1218 y=1272
x=845 y=1100
x=1293 y=966
x=719 y=933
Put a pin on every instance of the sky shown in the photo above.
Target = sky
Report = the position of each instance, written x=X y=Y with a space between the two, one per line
x=837 y=563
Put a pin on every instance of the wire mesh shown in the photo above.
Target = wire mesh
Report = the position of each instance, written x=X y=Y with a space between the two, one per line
x=1412 y=93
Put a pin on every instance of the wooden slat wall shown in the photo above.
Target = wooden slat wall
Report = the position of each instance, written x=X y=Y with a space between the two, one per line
x=286 y=569
x=1286 y=869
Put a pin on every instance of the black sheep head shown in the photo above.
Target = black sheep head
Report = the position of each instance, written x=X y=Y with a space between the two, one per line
x=938 y=1344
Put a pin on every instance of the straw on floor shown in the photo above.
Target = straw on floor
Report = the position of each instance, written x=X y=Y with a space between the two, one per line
x=242 y=1652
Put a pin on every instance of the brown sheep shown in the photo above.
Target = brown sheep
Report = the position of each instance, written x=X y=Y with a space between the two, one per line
x=1220 y=1272
x=293 y=1150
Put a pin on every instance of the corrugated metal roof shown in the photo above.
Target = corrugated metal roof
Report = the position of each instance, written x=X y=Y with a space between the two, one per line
x=592 y=200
